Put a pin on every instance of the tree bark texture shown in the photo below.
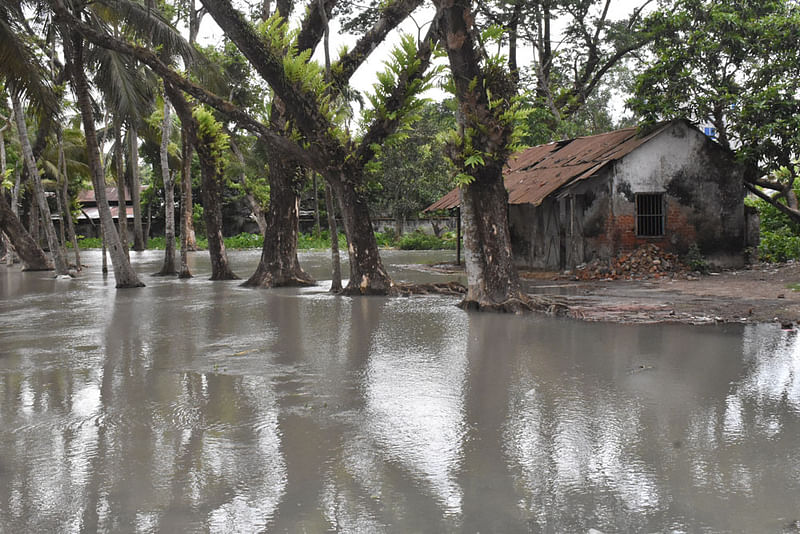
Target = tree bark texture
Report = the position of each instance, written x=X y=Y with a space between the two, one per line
x=279 y=265
x=32 y=256
x=186 y=203
x=212 y=180
x=136 y=186
x=212 y=211
x=493 y=281
x=333 y=230
x=119 y=170
x=168 y=268
x=41 y=200
x=124 y=275
x=367 y=275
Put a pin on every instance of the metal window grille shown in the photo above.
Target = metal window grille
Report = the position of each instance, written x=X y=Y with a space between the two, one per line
x=650 y=214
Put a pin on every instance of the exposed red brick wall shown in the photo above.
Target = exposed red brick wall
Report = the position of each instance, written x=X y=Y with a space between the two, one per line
x=620 y=234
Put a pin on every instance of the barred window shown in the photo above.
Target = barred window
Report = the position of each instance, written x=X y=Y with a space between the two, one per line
x=650 y=214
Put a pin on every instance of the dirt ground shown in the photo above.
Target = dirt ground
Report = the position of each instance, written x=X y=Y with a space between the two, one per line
x=758 y=293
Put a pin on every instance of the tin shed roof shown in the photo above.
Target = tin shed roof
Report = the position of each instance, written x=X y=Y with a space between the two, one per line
x=534 y=174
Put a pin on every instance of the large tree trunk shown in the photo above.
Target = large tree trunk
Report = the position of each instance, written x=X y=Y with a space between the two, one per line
x=41 y=200
x=136 y=186
x=279 y=265
x=367 y=275
x=212 y=211
x=124 y=275
x=32 y=256
x=169 y=196
x=493 y=281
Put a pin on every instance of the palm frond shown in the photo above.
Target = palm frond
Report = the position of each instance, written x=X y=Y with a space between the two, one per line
x=21 y=66
x=127 y=91
x=148 y=24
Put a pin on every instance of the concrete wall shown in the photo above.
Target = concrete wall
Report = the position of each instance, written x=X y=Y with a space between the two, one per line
x=596 y=218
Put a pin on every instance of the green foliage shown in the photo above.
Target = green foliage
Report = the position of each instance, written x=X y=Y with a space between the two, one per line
x=779 y=245
x=419 y=240
x=244 y=241
x=780 y=236
x=323 y=241
x=734 y=64
x=415 y=173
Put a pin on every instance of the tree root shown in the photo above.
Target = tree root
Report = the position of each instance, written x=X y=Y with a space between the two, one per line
x=519 y=305
x=438 y=288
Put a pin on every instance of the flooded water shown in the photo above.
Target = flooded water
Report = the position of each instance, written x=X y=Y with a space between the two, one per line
x=197 y=406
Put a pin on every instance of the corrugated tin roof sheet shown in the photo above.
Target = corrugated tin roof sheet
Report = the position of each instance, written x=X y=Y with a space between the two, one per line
x=537 y=172
x=112 y=195
x=94 y=213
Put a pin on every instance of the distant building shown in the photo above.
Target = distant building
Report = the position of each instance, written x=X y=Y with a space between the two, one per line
x=89 y=219
x=593 y=197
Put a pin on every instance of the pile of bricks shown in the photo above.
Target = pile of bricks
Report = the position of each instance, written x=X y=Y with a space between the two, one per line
x=646 y=262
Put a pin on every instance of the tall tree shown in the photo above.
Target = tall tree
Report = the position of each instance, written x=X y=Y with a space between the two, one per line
x=734 y=65
x=124 y=275
x=41 y=200
x=487 y=116
x=168 y=268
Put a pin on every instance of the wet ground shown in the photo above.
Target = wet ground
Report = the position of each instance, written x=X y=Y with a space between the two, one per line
x=198 y=406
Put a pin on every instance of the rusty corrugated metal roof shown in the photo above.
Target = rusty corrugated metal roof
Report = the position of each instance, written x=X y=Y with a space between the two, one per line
x=537 y=172
x=112 y=195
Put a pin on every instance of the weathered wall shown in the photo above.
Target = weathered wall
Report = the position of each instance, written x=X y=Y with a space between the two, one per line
x=703 y=189
x=596 y=218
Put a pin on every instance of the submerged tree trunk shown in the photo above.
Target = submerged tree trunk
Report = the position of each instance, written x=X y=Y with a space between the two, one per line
x=119 y=170
x=367 y=275
x=136 y=186
x=64 y=192
x=32 y=256
x=186 y=206
x=124 y=275
x=169 y=196
x=493 y=281
x=212 y=211
x=333 y=230
x=279 y=265
x=211 y=169
x=41 y=200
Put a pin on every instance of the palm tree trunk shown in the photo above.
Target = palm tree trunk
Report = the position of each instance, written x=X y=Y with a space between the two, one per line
x=186 y=199
x=32 y=256
x=41 y=199
x=68 y=217
x=136 y=186
x=124 y=275
x=119 y=169
x=169 y=196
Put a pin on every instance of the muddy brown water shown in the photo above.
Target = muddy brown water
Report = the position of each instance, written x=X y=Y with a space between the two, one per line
x=198 y=406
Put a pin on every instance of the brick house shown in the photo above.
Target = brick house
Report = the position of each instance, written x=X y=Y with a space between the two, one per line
x=593 y=197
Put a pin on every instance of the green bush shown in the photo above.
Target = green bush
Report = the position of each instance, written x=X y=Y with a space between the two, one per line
x=419 y=240
x=244 y=240
x=780 y=236
x=780 y=245
x=311 y=241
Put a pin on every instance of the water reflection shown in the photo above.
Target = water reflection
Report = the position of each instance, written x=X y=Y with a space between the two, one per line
x=192 y=406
